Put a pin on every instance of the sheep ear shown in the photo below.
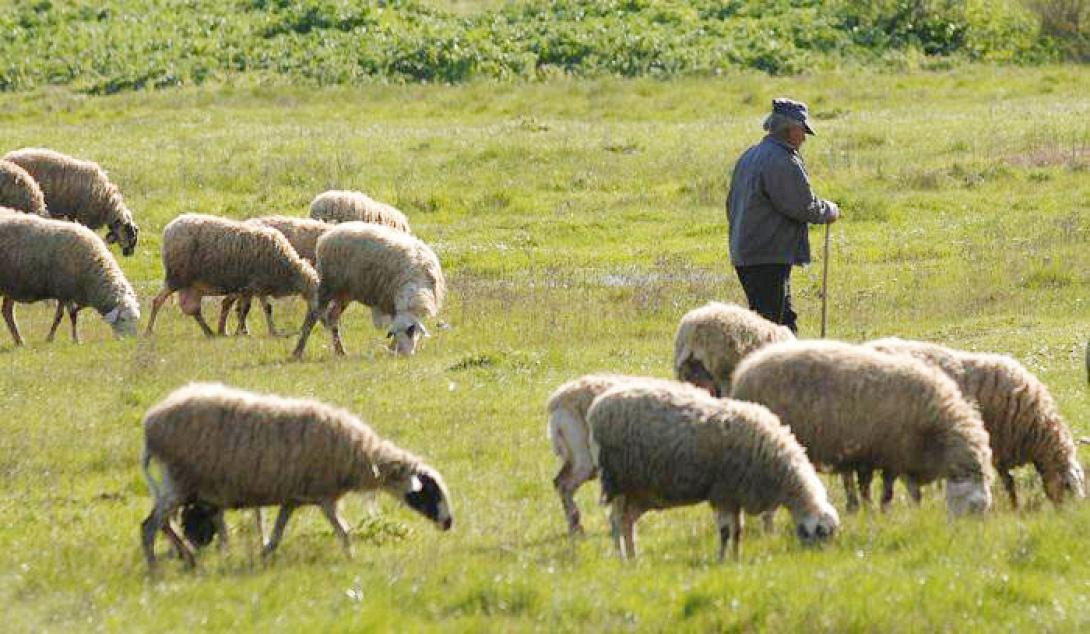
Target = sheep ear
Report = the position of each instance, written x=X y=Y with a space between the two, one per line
x=423 y=331
x=415 y=485
x=390 y=334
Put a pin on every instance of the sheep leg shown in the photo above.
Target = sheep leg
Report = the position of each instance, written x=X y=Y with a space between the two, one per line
x=849 y=491
x=616 y=519
x=225 y=311
x=190 y=301
x=159 y=519
x=340 y=528
x=259 y=524
x=887 y=489
x=1008 y=484
x=9 y=317
x=913 y=490
x=73 y=315
x=865 y=476
x=57 y=317
x=304 y=332
x=768 y=519
x=243 y=314
x=571 y=511
x=267 y=308
x=221 y=529
x=333 y=320
x=628 y=527
x=278 y=530
x=156 y=304
x=729 y=522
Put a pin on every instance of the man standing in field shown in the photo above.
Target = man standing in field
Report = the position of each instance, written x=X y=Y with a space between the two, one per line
x=768 y=207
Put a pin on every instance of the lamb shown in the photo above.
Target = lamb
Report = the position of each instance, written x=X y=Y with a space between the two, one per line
x=229 y=448
x=712 y=339
x=1024 y=425
x=567 y=408
x=207 y=255
x=302 y=234
x=80 y=191
x=336 y=206
x=19 y=190
x=41 y=258
x=660 y=444
x=394 y=273
x=854 y=408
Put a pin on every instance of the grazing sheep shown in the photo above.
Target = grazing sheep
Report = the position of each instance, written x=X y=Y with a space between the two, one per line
x=207 y=255
x=1024 y=425
x=79 y=191
x=347 y=206
x=712 y=339
x=228 y=448
x=660 y=444
x=19 y=190
x=854 y=408
x=395 y=274
x=42 y=258
x=302 y=234
x=567 y=408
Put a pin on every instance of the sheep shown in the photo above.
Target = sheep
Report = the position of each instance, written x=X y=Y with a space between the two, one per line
x=712 y=339
x=19 y=190
x=570 y=436
x=229 y=448
x=302 y=234
x=1024 y=425
x=336 y=206
x=394 y=273
x=41 y=258
x=208 y=255
x=855 y=408
x=660 y=445
x=80 y=191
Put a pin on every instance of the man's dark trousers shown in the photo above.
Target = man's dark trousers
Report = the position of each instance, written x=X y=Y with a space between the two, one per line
x=768 y=289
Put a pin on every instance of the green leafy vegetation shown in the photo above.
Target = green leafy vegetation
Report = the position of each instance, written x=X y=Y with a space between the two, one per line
x=107 y=47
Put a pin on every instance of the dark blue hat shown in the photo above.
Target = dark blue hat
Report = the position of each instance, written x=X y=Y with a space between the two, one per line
x=795 y=110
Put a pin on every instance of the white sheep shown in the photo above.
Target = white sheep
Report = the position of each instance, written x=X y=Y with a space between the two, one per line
x=392 y=272
x=1024 y=425
x=19 y=190
x=41 y=258
x=570 y=436
x=302 y=234
x=80 y=191
x=661 y=444
x=208 y=255
x=854 y=408
x=229 y=448
x=347 y=206
x=713 y=339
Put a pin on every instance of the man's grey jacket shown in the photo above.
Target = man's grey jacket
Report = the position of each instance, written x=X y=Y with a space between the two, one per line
x=769 y=203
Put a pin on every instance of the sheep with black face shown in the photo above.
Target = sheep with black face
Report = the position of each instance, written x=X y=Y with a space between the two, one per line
x=227 y=449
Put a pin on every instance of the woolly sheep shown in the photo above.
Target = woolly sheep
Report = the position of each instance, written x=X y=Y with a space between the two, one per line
x=302 y=234
x=855 y=408
x=229 y=448
x=394 y=273
x=712 y=339
x=570 y=436
x=42 y=258
x=80 y=191
x=345 y=206
x=1024 y=425
x=19 y=190
x=660 y=444
x=208 y=255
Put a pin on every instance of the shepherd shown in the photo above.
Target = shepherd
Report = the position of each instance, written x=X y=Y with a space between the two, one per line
x=769 y=205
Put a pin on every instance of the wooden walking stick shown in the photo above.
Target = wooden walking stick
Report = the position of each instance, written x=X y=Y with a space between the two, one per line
x=825 y=285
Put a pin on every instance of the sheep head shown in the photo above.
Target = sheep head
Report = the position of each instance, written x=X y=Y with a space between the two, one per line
x=969 y=495
x=818 y=525
x=422 y=489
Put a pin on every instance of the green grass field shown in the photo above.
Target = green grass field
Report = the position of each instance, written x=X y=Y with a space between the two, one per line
x=577 y=220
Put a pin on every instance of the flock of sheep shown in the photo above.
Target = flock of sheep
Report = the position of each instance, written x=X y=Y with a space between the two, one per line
x=752 y=418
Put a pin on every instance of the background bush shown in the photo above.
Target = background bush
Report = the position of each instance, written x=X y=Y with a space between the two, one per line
x=106 y=47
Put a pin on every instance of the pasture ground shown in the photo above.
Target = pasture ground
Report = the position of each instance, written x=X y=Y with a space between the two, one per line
x=577 y=221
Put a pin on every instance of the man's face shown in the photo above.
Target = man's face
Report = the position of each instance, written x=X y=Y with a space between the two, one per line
x=796 y=136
